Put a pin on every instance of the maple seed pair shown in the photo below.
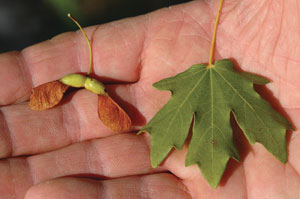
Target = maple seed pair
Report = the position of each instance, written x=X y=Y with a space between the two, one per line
x=80 y=81
x=50 y=94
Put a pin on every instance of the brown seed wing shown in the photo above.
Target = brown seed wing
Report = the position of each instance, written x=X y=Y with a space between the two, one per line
x=47 y=95
x=112 y=115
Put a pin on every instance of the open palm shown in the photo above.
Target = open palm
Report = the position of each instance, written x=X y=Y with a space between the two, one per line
x=46 y=154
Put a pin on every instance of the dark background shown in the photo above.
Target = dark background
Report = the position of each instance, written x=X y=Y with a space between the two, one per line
x=26 y=22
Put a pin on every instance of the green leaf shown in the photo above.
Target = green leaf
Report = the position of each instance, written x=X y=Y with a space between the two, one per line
x=209 y=95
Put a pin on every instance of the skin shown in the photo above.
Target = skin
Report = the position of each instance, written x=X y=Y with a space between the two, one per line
x=45 y=154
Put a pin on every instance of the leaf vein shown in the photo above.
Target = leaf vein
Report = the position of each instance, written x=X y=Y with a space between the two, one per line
x=243 y=99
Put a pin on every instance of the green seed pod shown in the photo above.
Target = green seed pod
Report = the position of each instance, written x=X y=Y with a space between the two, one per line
x=95 y=86
x=74 y=80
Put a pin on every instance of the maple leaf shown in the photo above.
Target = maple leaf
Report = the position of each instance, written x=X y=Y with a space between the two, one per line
x=208 y=95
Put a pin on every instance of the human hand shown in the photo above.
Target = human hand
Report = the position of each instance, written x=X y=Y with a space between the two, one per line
x=45 y=154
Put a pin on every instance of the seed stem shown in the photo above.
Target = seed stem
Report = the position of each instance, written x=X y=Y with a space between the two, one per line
x=212 y=47
x=87 y=39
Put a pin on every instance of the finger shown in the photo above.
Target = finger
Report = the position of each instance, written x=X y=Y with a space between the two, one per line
x=15 y=178
x=24 y=131
x=116 y=156
x=116 y=48
x=150 y=186
x=112 y=157
x=68 y=53
x=15 y=79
